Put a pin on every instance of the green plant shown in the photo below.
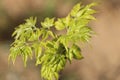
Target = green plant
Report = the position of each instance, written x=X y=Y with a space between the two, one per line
x=52 y=50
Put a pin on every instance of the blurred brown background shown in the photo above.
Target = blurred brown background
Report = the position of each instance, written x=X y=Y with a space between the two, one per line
x=102 y=56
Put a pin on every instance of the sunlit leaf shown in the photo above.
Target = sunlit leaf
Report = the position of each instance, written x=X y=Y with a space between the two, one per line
x=48 y=44
x=75 y=9
x=59 y=25
x=47 y=23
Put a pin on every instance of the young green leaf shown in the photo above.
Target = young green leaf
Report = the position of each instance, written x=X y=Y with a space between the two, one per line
x=47 y=23
x=75 y=10
x=52 y=50
x=59 y=25
x=76 y=52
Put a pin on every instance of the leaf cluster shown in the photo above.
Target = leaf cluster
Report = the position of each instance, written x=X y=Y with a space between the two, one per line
x=52 y=50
